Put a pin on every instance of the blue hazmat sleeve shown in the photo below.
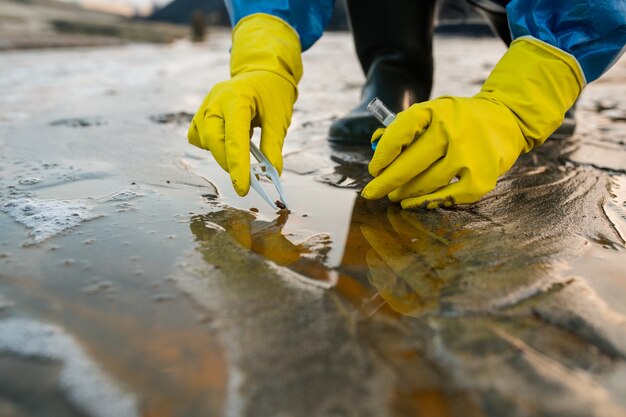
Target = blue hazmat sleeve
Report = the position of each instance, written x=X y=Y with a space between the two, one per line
x=308 y=17
x=593 y=31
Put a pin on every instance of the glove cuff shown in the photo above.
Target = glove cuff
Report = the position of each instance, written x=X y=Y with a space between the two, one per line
x=538 y=83
x=262 y=42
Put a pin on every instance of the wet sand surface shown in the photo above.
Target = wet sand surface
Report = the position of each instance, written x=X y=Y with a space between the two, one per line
x=133 y=282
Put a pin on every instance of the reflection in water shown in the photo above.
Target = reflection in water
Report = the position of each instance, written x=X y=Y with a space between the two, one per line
x=305 y=255
x=396 y=254
x=479 y=258
x=352 y=169
x=390 y=257
x=466 y=307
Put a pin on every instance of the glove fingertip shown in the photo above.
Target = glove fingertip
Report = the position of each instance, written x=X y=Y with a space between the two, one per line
x=371 y=192
x=412 y=204
x=427 y=203
x=242 y=187
x=240 y=175
x=378 y=133
x=395 y=197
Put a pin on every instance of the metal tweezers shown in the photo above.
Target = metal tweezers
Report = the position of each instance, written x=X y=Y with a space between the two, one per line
x=265 y=169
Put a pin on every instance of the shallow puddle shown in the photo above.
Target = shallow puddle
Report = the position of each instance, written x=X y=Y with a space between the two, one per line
x=192 y=301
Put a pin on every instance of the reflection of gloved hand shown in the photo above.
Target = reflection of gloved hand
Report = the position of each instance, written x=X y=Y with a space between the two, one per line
x=475 y=139
x=406 y=262
x=264 y=238
x=265 y=67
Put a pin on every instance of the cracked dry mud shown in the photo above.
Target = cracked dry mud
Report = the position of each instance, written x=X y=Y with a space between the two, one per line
x=176 y=295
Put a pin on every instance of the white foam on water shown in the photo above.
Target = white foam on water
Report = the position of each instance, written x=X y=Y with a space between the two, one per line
x=85 y=384
x=121 y=196
x=29 y=181
x=47 y=218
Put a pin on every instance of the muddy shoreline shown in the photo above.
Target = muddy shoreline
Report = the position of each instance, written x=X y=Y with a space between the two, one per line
x=175 y=293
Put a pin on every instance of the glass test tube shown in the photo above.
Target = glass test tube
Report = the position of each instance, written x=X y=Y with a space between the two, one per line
x=381 y=113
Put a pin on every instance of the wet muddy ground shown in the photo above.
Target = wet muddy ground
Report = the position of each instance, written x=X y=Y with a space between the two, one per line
x=133 y=282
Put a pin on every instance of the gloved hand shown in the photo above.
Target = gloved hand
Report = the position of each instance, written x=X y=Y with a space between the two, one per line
x=475 y=139
x=265 y=67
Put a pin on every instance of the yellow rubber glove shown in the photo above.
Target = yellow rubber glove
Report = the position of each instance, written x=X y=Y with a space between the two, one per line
x=265 y=67
x=475 y=139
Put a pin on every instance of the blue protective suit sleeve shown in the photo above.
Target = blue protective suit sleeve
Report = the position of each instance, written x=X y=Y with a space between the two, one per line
x=308 y=17
x=593 y=31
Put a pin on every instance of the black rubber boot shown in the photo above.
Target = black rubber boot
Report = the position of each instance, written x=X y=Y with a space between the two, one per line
x=495 y=13
x=394 y=46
